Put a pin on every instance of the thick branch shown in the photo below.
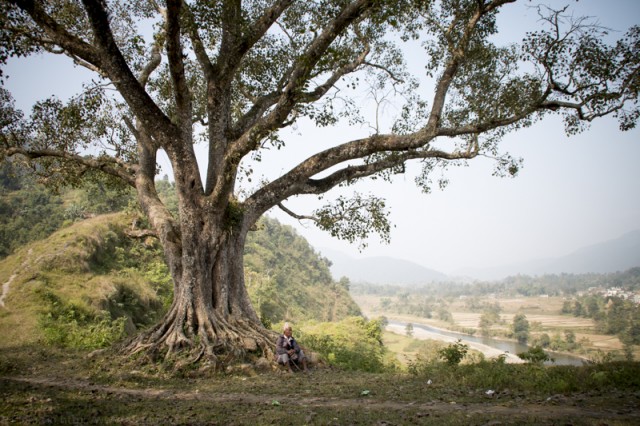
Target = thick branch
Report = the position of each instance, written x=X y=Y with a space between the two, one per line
x=109 y=165
x=291 y=94
x=59 y=35
x=457 y=54
x=115 y=66
x=181 y=91
x=297 y=180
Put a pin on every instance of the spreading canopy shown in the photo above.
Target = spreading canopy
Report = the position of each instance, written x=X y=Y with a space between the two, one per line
x=233 y=74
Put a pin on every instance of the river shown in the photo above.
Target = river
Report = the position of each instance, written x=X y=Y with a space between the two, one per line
x=490 y=347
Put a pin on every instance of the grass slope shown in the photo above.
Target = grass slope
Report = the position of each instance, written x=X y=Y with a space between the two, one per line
x=75 y=273
x=89 y=284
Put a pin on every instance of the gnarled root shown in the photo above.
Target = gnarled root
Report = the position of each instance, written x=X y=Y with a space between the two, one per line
x=212 y=341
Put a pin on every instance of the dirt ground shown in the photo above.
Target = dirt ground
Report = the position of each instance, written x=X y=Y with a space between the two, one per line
x=55 y=400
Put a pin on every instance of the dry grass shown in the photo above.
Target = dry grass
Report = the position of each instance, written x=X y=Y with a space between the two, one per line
x=542 y=312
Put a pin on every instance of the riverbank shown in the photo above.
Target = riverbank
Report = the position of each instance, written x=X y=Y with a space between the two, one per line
x=487 y=351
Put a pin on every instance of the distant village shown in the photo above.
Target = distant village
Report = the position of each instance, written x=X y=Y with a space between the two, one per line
x=612 y=292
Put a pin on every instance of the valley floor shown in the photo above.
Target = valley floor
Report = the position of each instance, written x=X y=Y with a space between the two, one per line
x=487 y=351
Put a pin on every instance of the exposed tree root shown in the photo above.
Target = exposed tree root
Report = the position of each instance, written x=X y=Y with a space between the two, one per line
x=216 y=343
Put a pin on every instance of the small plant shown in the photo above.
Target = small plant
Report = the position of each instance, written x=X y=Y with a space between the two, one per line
x=71 y=325
x=454 y=353
x=601 y=357
x=535 y=355
x=409 y=330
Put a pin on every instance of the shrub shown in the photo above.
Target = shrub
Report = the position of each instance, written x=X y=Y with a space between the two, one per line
x=353 y=343
x=454 y=353
x=71 y=325
x=535 y=355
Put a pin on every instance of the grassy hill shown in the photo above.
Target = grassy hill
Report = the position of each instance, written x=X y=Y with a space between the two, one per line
x=287 y=279
x=88 y=283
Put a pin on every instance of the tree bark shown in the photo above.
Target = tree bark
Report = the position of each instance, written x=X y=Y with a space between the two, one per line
x=211 y=317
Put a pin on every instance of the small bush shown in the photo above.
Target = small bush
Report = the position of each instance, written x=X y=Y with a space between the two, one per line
x=454 y=353
x=352 y=344
x=71 y=325
x=535 y=355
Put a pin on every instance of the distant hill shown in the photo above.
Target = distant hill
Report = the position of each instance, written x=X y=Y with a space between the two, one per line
x=288 y=280
x=380 y=270
x=619 y=254
x=615 y=255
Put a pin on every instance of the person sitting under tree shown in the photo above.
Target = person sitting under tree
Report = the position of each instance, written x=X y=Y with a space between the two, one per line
x=288 y=352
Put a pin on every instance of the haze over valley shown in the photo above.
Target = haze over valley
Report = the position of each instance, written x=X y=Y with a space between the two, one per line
x=614 y=255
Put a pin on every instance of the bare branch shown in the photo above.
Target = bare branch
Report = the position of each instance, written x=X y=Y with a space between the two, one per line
x=296 y=216
x=386 y=70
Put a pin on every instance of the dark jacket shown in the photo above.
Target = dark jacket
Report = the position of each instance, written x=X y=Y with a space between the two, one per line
x=284 y=345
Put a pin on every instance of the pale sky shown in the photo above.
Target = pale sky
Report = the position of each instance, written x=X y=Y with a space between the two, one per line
x=572 y=192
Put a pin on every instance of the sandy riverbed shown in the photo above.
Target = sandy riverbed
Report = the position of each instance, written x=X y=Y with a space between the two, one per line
x=488 y=351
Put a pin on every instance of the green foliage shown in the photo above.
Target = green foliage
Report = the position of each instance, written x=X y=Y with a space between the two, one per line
x=352 y=343
x=409 y=329
x=167 y=192
x=488 y=318
x=355 y=219
x=234 y=214
x=71 y=325
x=444 y=314
x=87 y=284
x=454 y=353
x=499 y=376
x=612 y=315
x=520 y=285
x=432 y=355
x=535 y=355
x=288 y=280
x=520 y=328
x=285 y=277
x=28 y=212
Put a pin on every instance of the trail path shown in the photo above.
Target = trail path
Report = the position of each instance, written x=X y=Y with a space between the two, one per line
x=6 y=285
x=558 y=407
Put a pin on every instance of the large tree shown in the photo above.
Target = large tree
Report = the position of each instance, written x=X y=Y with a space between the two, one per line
x=235 y=73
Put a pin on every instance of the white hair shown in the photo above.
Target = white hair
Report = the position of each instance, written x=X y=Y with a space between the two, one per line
x=286 y=326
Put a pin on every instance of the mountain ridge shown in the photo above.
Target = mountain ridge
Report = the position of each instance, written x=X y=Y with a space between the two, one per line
x=613 y=255
x=380 y=269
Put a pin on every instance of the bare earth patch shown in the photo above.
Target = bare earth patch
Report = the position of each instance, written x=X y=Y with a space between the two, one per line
x=51 y=399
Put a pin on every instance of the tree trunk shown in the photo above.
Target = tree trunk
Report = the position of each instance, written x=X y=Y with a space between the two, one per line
x=211 y=316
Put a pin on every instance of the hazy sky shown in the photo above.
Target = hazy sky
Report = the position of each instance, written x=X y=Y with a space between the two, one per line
x=572 y=192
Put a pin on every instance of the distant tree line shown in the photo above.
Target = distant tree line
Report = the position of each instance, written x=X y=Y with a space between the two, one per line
x=612 y=316
x=30 y=210
x=518 y=285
